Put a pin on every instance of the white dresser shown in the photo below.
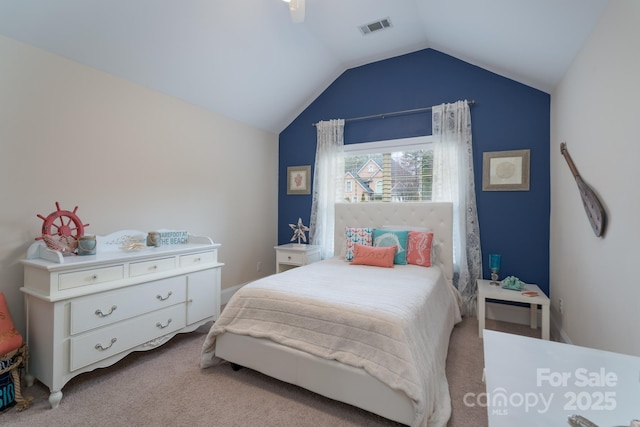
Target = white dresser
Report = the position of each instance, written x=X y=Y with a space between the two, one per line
x=88 y=312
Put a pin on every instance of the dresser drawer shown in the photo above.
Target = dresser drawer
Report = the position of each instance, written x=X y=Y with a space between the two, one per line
x=200 y=258
x=90 y=277
x=153 y=266
x=105 y=308
x=290 y=258
x=105 y=342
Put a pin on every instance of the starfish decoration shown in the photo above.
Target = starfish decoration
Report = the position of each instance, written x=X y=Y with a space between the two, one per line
x=298 y=231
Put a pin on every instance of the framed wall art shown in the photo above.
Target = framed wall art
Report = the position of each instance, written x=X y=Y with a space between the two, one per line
x=299 y=179
x=505 y=170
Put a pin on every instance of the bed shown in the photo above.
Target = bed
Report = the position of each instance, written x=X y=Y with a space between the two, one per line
x=376 y=338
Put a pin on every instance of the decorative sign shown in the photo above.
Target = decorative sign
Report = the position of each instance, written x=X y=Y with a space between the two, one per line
x=174 y=237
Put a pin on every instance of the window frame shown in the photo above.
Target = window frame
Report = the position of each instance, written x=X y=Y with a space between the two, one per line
x=402 y=144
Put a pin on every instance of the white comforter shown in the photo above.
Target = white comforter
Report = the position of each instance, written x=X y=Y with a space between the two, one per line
x=393 y=322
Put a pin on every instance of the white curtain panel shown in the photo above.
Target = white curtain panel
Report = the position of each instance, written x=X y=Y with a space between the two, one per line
x=453 y=181
x=327 y=183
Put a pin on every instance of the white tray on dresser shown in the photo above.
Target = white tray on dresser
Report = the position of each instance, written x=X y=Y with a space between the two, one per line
x=87 y=312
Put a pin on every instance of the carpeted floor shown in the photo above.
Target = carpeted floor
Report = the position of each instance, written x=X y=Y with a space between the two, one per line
x=165 y=387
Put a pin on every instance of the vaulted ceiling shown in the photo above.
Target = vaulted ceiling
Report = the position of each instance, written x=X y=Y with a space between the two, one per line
x=247 y=60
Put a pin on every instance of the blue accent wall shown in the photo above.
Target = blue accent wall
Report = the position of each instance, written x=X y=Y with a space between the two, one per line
x=507 y=116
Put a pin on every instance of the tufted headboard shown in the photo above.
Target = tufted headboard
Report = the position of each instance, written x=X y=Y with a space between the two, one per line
x=436 y=216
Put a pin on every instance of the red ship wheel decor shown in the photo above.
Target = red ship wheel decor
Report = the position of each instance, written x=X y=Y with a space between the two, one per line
x=61 y=229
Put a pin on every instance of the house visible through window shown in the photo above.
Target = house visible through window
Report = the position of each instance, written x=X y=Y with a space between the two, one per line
x=398 y=170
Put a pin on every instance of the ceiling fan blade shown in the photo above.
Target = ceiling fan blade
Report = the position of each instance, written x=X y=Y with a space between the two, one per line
x=296 y=7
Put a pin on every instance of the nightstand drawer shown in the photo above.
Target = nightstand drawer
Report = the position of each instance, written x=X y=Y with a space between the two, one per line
x=153 y=266
x=90 y=277
x=290 y=257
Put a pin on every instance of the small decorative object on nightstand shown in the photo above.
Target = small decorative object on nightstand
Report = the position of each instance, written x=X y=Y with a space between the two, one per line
x=298 y=231
x=530 y=294
x=294 y=255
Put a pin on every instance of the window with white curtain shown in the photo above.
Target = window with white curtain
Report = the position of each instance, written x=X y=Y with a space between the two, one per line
x=398 y=170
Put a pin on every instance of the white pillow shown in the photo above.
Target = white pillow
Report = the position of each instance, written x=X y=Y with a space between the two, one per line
x=404 y=227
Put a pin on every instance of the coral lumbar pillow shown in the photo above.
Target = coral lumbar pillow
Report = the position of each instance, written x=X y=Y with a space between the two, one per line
x=374 y=256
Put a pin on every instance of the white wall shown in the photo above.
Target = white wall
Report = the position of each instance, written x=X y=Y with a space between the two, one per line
x=596 y=110
x=129 y=158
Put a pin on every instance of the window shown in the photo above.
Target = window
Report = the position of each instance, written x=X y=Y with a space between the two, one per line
x=398 y=170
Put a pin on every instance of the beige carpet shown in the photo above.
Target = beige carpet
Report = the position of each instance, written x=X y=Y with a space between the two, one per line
x=165 y=387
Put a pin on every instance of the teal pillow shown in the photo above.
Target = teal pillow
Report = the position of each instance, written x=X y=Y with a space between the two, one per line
x=393 y=238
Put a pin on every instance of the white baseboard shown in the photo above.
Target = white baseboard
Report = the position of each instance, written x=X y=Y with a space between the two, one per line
x=227 y=293
x=558 y=333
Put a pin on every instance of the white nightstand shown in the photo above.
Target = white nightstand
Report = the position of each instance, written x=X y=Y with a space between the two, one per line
x=295 y=255
x=485 y=290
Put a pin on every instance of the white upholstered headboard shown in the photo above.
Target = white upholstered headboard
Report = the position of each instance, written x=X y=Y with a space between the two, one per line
x=436 y=216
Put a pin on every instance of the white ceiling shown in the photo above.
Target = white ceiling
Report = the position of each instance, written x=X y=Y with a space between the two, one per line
x=246 y=60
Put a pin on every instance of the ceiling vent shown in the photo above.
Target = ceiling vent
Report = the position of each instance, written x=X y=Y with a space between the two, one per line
x=375 y=26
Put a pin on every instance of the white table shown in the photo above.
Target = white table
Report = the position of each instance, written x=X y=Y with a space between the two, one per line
x=532 y=383
x=488 y=291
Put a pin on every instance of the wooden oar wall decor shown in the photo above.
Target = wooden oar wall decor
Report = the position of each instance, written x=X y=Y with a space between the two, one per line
x=592 y=206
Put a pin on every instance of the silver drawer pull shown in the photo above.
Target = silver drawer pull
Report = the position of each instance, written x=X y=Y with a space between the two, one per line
x=161 y=326
x=165 y=298
x=101 y=314
x=94 y=277
x=101 y=348
x=154 y=267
